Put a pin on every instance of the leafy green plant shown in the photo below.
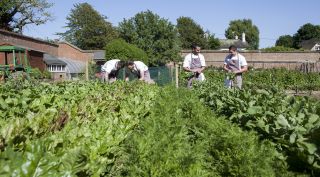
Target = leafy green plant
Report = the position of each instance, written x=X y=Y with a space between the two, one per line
x=289 y=122
x=184 y=138
x=36 y=73
x=122 y=50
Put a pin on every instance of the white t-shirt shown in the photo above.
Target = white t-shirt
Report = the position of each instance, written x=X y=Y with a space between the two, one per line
x=187 y=63
x=188 y=58
x=110 y=66
x=140 y=66
x=238 y=60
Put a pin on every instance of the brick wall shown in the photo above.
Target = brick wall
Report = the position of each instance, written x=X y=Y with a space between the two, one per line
x=70 y=51
x=258 y=59
x=11 y=38
x=36 y=60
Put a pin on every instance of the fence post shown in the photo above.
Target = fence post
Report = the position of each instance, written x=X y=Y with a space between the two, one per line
x=171 y=73
x=177 y=74
x=87 y=70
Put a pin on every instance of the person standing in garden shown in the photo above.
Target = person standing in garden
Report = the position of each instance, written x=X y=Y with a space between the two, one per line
x=234 y=64
x=195 y=63
x=139 y=69
x=110 y=70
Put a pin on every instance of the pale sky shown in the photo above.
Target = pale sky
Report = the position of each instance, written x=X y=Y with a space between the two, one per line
x=273 y=17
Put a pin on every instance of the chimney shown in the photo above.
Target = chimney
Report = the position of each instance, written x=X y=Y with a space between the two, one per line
x=243 y=37
x=236 y=37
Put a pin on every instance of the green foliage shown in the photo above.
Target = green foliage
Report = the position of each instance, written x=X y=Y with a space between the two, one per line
x=237 y=27
x=123 y=129
x=212 y=42
x=285 y=41
x=87 y=29
x=46 y=74
x=155 y=35
x=292 y=123
x=71 y=129
x=183 y=138
x=36 y=73
x=306 y=32
x=278 y=49
x=267 y=78
x=192 y=33
x=122 y=50
x=15 y=15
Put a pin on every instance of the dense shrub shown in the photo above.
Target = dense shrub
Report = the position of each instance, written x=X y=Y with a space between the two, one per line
x=278 y=49
x=46 y=74
x=119 y=49
x=36 y=73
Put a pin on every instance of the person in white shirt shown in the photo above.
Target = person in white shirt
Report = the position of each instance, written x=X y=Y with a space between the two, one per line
x=194 y=62
x=141 y=70
x=110 y=70
x=235 y=64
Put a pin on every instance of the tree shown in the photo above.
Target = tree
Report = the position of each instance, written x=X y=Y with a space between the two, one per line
x=155 y=35
x=285 y=41
x=87 y=29
x=16 y=14
x=237 y=27
x=211 y=41
x=192 y=33
x=306 y=32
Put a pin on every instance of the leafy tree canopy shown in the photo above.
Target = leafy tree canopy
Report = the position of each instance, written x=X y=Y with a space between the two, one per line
x=192 y=33
x=16 y=14
x=155 y=35
x=306 y=32
x=285 y=41
x=87 y=29
x=237 y=27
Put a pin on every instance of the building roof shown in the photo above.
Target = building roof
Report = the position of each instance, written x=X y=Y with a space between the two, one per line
x=10 y=48
x=5 y=32
x=74 y=66
x=71 y=45
x=309 y=44
x=226 y=43
x=52 y=60
x=23 y=47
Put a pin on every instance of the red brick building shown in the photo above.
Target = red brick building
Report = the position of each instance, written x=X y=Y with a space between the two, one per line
x=37 y=49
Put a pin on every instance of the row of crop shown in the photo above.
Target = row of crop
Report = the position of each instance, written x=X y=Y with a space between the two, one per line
x=123 y=129
x=67 y=129
x=282 y=78
x=291 y=123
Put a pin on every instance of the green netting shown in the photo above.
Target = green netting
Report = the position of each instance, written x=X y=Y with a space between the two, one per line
x=162 y=75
